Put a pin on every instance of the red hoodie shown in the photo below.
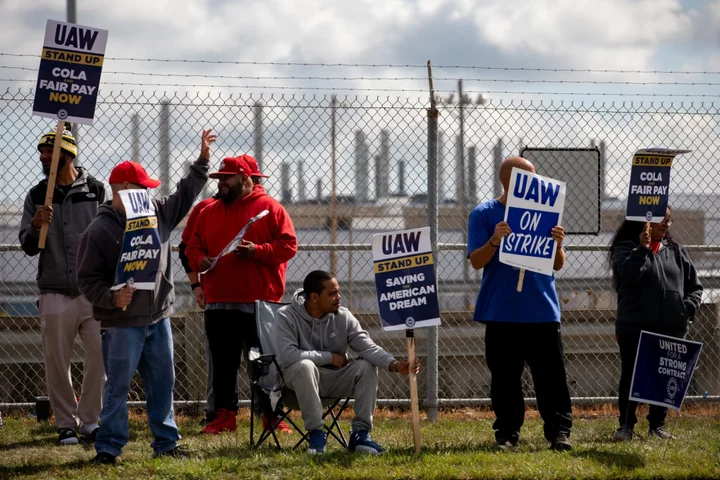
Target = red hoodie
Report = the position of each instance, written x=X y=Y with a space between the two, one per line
x=235 y=280
x=190 y=224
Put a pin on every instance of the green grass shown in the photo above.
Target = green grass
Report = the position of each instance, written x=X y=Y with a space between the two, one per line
x=459 y=445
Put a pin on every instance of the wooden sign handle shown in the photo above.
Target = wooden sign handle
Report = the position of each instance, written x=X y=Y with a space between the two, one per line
x=414 y=408
x=51 y=179
x=521 y=279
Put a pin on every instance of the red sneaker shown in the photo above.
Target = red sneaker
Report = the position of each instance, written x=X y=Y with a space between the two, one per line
x=226 y=421
x=280 y=426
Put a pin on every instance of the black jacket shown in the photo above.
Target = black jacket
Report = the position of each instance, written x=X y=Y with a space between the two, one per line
x=656 y=292
x=72 y=213
x=101 y=245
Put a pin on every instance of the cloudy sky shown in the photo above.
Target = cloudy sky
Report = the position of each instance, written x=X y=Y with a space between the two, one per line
x=644 y=35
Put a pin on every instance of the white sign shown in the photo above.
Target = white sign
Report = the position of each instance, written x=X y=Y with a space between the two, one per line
x=534 y=206
x=405 y=279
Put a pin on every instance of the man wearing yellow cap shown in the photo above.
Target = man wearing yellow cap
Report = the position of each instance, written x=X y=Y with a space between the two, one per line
x=64 y=313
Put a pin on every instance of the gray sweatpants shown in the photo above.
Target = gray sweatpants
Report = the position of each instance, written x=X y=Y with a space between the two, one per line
x=62 y=319
x=312 y=383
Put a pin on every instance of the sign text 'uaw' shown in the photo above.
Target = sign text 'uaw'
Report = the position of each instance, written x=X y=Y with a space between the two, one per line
x=140 y=255
x=405 y=279
x=534 y=207
x=69 y=74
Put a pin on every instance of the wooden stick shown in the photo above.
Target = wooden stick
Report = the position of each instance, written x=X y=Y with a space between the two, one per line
x=521 y=279
x=413 y=389
x=51 y=179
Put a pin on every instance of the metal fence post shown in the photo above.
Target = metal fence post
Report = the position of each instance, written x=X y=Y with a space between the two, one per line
x=431 y=399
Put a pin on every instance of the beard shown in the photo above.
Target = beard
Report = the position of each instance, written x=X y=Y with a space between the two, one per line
x=231 y=194
x=64 y=159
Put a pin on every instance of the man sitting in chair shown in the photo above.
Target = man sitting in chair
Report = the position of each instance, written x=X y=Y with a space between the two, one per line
x=312 y=337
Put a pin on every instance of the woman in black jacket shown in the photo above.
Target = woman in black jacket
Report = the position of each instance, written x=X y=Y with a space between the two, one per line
x=657 y=291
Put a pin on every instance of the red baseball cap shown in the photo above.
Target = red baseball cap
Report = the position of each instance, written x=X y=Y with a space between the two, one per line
x=243 y=164
x=132 y=172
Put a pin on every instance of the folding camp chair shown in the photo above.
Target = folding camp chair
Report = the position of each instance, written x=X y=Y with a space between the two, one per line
x=266 y=379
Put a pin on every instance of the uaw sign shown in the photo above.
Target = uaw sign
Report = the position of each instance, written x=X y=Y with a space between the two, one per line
x=69 y=74
x=140 y=255
x=405 y=279
x=534 y=206
x=663 y=369
x=650 y=184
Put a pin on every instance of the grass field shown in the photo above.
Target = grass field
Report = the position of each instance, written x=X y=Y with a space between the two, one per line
x=459 y=445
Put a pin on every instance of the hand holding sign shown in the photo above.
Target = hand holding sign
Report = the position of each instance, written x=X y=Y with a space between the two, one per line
x=645 y=236
x=403 y=367
x=558 y=234
x=502 y=230
x=42 y=217
x=246 y=250
x=123 y=297
x=234 y=245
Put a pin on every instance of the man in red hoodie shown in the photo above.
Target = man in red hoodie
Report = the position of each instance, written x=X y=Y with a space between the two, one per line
x=254 y=271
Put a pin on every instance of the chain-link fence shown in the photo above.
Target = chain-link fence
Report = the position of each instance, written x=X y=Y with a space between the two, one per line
x=374 y=152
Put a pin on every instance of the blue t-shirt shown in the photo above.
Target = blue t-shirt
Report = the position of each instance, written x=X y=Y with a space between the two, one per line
x=499 y=300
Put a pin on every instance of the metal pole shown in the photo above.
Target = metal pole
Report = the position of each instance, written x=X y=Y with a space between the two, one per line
x=165 y=146
x=431 y=398
x=72 y=18
x=258 y=123
x=333 y=193
x=136 y=138
x=462 y=189
x=462 y=184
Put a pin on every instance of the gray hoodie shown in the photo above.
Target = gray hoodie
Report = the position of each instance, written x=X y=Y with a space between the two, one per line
x=298 y=336
x=100 y=248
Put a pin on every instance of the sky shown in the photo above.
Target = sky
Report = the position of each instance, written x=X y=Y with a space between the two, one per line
x=533 y=35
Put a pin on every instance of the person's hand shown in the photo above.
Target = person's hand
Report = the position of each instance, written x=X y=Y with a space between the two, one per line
x=558 y=234
x=205 y=263
x=207 y=140
x=246 y=250
x=123 y=297
x=403 y=366
x=339 y=360
x=502 y=230
x=199 y=296
x=43 y=215
x=645 y=236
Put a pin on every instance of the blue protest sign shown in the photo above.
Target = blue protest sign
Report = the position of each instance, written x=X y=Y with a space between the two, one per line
x=650 y=184
x=534 y=206
x=69 y=74
x=663 y=369
x=140 y=255
x=405 y=279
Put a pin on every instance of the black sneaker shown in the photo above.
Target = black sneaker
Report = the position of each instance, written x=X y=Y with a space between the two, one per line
x=506 y=443
x=660 y=432
x=104 y=458
x=623 y=434
x=561 y=443
x=90 y=438
x=178 y=451
x=68 y=437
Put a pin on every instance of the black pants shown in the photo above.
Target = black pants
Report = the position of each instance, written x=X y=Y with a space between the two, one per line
x=231 y=334
x=628 y=343
x=507 y=347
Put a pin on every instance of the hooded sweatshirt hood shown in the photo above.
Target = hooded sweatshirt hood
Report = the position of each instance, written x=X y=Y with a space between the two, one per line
x=298 y=336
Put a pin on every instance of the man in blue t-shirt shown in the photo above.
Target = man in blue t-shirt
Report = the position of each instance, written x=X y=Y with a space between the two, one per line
x=519 y=326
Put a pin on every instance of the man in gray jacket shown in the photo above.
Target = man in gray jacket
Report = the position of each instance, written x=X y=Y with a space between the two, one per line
x=64 y=313
x=312 y=337
x=138 y=335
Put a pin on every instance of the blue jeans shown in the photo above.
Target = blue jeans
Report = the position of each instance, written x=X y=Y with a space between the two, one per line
x=149 y=350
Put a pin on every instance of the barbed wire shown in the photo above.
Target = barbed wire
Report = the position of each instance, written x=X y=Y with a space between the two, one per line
x=318 y=78
x=395 y=90
x=391 y=65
